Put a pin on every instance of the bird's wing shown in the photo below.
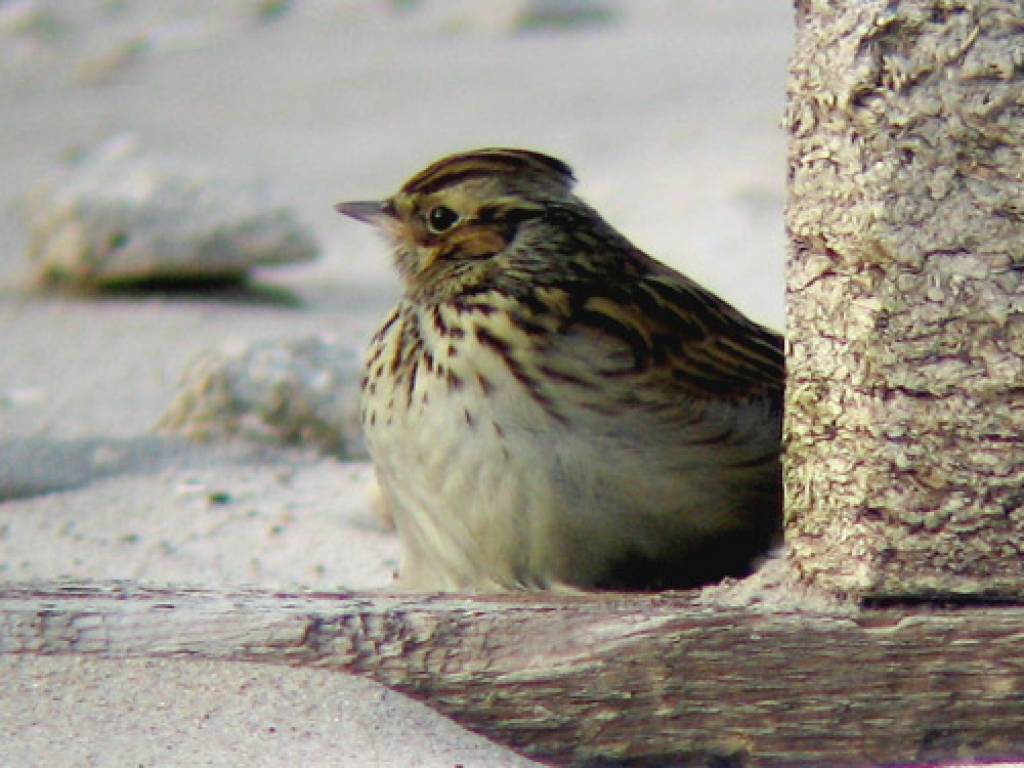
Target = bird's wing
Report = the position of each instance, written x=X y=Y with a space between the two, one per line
x=661 y=329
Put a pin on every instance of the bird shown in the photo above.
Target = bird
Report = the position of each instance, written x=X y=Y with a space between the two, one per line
x=549 y=408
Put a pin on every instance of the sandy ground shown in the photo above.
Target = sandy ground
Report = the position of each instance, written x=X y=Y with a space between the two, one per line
x=670 y=115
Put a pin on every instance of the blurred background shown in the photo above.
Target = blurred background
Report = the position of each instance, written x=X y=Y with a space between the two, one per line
x=669 y=111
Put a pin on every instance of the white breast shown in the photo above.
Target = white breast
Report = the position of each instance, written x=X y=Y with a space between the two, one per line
x=492 y=491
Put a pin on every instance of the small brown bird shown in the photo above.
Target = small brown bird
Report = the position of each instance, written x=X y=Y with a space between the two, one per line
x=549 y=407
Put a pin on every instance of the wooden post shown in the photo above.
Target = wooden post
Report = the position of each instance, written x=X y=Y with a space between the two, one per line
x=904 y=473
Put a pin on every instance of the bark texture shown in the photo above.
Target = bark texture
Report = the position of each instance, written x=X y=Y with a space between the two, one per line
x=658 y=680
x=905 y=406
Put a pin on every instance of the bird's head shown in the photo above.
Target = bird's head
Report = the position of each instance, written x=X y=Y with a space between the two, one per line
x=453 y=222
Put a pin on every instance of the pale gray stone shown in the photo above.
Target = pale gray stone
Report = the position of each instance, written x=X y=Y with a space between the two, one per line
x=119 y=216
x=501 y=17
x=303 y=391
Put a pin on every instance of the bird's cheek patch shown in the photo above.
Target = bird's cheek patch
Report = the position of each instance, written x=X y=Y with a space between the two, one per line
x=473 y=243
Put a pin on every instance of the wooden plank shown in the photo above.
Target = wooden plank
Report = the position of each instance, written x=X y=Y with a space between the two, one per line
x=686 y=679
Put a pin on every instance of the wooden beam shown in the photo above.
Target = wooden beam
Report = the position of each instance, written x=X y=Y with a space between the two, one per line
x=683 y=679
x=904 y=466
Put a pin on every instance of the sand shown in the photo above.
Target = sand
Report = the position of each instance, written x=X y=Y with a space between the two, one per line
x=669 y=112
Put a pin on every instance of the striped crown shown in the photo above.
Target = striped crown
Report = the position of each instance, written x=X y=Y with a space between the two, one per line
x=525 y=165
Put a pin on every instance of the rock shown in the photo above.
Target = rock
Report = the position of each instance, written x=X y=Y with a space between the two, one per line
x=114 y=59
x=302 y=391
x=501 y=17
x=563 y=14
x=118 y=216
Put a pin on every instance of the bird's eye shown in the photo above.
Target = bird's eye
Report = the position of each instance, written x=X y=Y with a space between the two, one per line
x=441 y=217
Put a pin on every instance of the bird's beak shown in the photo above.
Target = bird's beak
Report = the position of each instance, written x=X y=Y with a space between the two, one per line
x=371 y=211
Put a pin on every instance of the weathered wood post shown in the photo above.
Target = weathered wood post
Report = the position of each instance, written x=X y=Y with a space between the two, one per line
x=905 y=409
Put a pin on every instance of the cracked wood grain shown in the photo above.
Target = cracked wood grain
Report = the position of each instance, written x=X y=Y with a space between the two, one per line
x=599 y=679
